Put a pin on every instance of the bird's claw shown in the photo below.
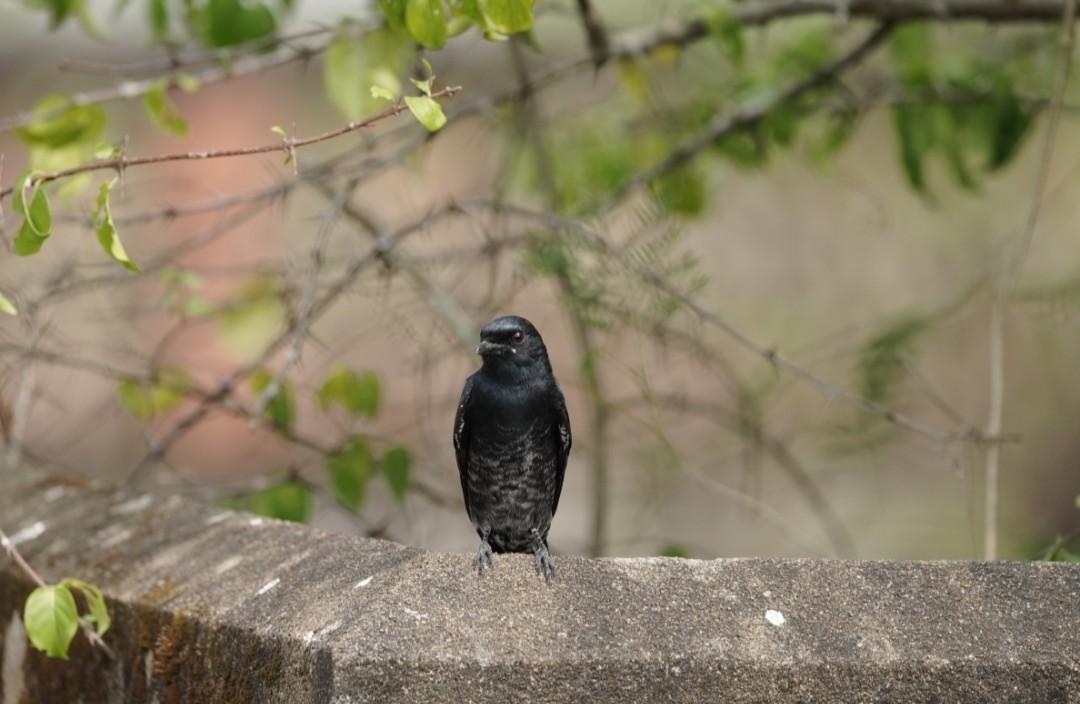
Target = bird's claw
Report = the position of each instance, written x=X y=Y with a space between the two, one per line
x=483 y=558
x=542 y=560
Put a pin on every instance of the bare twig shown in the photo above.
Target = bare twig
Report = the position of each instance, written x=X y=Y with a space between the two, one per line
x=302 y=317
x=20 y=411
x=1007 y=283
x=228 y=64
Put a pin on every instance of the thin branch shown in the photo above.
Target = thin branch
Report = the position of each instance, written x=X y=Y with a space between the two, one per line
x=20 y=411
x=595 y=33
x=231 y=64
x=461 y=326
x=228 y=56
x=287 y=145
x=302 y=318
x=762 y=12
x=1007 y=283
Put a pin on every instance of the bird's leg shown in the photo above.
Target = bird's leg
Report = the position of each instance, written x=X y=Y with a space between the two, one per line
x=483 y=555
x=541 y=557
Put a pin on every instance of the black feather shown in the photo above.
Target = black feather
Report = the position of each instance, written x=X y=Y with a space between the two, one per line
x=512 y=439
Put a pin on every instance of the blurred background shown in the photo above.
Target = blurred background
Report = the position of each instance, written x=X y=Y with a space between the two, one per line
x=764 y=248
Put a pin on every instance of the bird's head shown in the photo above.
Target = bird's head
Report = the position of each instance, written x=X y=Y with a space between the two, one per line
x=511 y=340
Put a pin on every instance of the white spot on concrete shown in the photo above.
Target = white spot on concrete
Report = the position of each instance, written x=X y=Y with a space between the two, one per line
x=120 y=536
x=255 y=521
x=14 y=654
x=227 y=565
x=28 y=533
x=268 y=586
x=415 y=614
x=312 y=636
x=775 y=617
x=53 y=493
x=218 y=518
x=482 y=652
x=363 y=582
x=136 y=505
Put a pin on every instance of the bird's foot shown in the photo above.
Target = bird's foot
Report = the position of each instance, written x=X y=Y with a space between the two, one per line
x=542 y=560
x=483 y=558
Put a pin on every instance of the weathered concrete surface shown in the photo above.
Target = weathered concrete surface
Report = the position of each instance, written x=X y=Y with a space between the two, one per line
x=215 y=606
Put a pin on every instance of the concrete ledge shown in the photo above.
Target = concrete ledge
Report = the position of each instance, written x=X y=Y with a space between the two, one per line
x=215 y=606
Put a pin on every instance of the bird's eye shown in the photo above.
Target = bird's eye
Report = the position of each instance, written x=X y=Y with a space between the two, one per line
x=517 y=338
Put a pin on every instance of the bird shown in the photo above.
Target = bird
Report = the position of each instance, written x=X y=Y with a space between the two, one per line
x=512 y=439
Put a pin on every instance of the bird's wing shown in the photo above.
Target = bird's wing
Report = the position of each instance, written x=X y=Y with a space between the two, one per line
x=563 y=440
x=461 y=440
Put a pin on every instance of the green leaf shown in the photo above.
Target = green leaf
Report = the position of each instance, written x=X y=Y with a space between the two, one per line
x=349 y=470
x=27 y=241
x=224 y=23
x=681 y=190
x=1009 y=124
x=130 y=393
x=838 y=131
x=58 y=124
x=29 y=200
x=106 y=152
x=6 y=306
x=144 y=400
x=427 y=111
x=384 y=93
x=159 y=20
x=252 y=317
x=394 y=12
x=359 y=394
x=745 y=148
x=880 y=362
x=280 y=409
x=425 y=85
x=105 y=228
x=952 y=127
x=726 y=30
x=911 y=49
x=98 y=614
x=288 y=501
x=354 y=64
x=162 y=111
x=426 y=22
x=395 y=464
x=916 y=134
x=507 y=16
x=51 y=620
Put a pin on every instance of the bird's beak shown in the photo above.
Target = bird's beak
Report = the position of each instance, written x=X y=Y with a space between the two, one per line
x=485 y=347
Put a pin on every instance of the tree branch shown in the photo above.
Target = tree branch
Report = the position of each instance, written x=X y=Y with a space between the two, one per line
x=1007 y=283
x=287 y=145
x=727 y=123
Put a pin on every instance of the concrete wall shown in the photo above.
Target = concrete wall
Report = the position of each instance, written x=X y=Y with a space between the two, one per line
x=216 y=606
